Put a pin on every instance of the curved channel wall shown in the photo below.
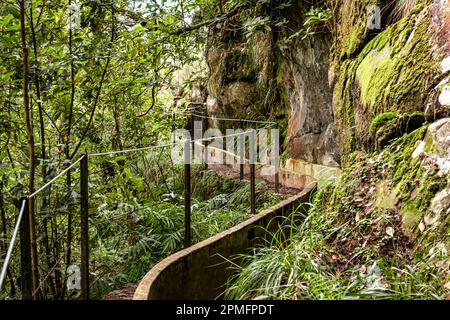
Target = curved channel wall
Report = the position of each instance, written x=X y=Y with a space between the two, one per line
x=201 y=271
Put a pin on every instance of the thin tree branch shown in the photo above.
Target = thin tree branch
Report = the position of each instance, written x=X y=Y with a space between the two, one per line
x=105 y=69
x=214 y=20
x=153 y=102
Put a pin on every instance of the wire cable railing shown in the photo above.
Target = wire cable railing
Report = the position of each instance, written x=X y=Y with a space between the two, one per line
x=11 y=244
x=45 y=186
x=232 y=119
x=82 y=161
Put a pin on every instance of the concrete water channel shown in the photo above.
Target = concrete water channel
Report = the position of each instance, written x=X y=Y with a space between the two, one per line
x=202 y=270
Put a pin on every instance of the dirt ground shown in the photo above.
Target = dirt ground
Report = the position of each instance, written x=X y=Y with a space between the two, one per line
x=125 y=293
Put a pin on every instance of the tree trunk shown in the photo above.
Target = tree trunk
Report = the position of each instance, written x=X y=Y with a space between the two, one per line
x=30 y=136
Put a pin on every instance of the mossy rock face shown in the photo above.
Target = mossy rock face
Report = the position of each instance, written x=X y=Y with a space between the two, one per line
x=414 y=184
x=239 y=67
x=395 y=72
x=404 y=177
x=240 y=70
x=381 y=119
x=351 y=28
x=251 y=77
x=387 y=126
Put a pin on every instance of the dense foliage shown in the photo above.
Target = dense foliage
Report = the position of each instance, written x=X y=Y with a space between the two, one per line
x=79 y=76
x=94 y=76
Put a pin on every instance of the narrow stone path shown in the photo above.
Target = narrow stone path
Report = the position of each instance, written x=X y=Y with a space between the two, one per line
x=227 y=171
x=127 y=292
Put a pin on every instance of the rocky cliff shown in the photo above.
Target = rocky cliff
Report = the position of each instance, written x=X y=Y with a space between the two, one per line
x=389 y=85
x=389 y=104
x=251 y=76
x=373 y=100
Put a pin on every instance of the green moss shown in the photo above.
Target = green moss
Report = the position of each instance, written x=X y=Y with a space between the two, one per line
x=367 y=68
x=399 y=153
x=418 y=203
x=388 y=126
x=344 y=110
x=393 y=73
x=393 y=69
x=280 y=82
x=385 y=198
x=415 y=185
x=380 y=120
x=351 y=27
x=355 y=37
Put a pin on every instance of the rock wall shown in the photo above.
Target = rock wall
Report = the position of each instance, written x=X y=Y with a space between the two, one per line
x=349 y=94
x=375 y=101
x=398 y=71
x=311 y=133
x=390 y=103
x=251 y=77
x=240 y=82
x=347 y=88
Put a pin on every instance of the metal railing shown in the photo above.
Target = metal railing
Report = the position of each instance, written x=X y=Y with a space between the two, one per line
x=30 y=287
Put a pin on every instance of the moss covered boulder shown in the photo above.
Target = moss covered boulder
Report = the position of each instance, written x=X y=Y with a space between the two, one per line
x=403 y=193
x=396 y=72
